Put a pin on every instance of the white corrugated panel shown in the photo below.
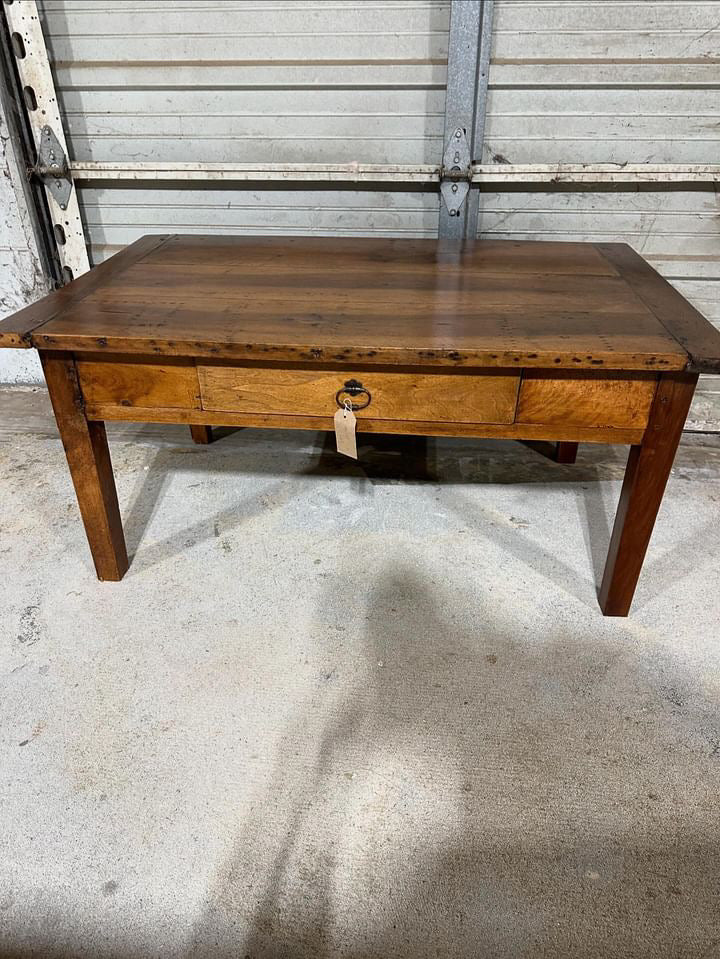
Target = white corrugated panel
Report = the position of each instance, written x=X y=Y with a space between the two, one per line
x=227 y=80
x=621 y=82
x=331 y=81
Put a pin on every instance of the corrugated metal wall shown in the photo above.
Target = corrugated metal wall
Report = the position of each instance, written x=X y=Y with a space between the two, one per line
x=251 y=81
x=599 y=82
x=331 y=81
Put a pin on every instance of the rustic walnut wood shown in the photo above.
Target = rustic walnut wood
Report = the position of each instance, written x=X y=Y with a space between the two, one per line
x=390 y=302
x=540 y=342
x=510 y=431
x=646 y=475
x=165 y=383
x=459 y=397
x=686 y=324
x=620 y=400
x=16 y=330
x=565 y=453
x=88 y=457
x=201 y=434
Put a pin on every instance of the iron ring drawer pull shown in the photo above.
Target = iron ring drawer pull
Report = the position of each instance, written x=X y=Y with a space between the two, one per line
x=353 y=388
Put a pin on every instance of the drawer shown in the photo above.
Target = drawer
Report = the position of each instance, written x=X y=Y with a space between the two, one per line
x=167 y=383
x=614 y=400
x=437 y=397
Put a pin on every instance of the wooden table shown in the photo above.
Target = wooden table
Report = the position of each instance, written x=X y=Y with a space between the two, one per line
x=568 y=342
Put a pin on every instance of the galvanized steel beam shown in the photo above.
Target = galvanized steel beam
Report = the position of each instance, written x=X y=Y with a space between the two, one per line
x=465 y=106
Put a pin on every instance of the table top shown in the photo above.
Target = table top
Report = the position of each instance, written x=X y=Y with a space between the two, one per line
x=376 y=301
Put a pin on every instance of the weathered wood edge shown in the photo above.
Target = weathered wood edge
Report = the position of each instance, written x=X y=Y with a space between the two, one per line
x=349 y=358
x=697 y=336
x=16 y=330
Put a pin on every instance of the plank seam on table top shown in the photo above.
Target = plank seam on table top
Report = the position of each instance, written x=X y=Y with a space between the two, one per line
x=696 y=361
x=600 y=249
x=96 y=288
x=121 y=268
x=72 y=297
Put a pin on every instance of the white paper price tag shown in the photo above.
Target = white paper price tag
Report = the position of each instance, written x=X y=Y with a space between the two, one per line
x=345 y=431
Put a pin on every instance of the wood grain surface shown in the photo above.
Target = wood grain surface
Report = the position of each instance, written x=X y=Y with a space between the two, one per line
x=15 y=330
x=383 y=301
x=510 y=431
x=168 y=382
x=446 y=398
x=646 y=476
x=202 y=435
x=686 y=324
x=586 y=399
x=88 y=458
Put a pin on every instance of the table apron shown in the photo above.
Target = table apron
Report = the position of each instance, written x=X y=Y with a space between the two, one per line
x=577 y=406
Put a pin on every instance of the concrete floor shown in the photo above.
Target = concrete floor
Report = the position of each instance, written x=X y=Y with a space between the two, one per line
x=352 y=710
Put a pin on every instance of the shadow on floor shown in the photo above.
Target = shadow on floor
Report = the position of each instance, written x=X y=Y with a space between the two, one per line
x=384 y=460
x=478 y=793
x=456 y=785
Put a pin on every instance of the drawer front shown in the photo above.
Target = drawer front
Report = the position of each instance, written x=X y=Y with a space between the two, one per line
x=615 y=400
x=163 y=384
x=445 y=397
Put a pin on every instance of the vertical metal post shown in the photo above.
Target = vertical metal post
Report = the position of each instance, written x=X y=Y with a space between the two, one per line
x=20 y=156
x=43 y=113
x=465 y=105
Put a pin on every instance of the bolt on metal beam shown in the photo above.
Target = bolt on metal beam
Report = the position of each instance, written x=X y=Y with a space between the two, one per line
x=30 y=192
x=33 y=69
x=465 y=106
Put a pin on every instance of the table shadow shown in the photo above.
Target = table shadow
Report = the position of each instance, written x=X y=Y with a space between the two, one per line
x=477 y=791
x=384 y=460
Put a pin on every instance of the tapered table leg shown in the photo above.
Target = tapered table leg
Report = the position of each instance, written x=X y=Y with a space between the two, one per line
x=557 y=452
x=201 y=434
x=646 y=475
x=88 y=457
x=566 y=452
